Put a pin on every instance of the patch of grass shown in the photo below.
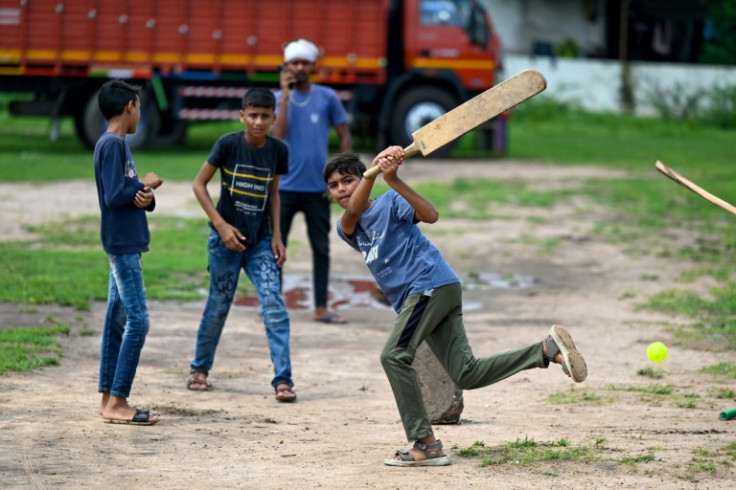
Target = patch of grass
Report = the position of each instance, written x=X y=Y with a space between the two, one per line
x=71 y=269
x=539 y=130
x=725 y=394
x=528 y=452
x=632 y=460
x=706 y=460
x=650 y=373
x=721 y=369
x=472 y=450
x=66 y=277
x=574 y=396
x=77 y=233
x=687 y=404
x=652 y=389
x=25 y=348
x=715 y=319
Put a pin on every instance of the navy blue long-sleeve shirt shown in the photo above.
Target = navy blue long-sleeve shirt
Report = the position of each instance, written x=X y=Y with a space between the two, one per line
x=124 y=227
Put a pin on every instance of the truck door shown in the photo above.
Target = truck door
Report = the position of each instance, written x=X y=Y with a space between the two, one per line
x=451 y=55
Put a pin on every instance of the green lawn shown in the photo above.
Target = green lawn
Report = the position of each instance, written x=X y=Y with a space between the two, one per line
x=67 y=266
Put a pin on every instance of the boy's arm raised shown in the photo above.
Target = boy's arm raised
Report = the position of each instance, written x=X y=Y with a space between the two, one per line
x=356 y=205
x=424 y=210
x=359 y=199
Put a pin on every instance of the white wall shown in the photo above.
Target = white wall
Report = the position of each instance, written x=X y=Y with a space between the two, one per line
x=521 y=22
x=596 y=84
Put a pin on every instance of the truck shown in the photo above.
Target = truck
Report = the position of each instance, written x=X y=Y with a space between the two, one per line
x=396 y=64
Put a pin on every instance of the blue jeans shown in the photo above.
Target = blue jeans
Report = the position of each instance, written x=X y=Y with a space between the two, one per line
x=260 y=267
x=126 y=325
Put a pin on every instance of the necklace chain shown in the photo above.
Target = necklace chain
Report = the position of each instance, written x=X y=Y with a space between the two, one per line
x=302 y=103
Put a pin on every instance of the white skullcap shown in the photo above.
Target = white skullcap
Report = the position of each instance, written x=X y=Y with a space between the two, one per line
x=301 y=49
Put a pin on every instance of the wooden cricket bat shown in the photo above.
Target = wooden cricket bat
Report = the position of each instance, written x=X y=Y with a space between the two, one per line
x=695 y=188
x=472 y=113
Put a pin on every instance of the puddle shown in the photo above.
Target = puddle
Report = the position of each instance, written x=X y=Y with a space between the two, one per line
x=490 y=280
x=347 y=292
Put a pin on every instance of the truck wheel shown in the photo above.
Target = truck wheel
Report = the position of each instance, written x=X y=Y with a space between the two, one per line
x=90 y=123
x=173 y=134
x=417 y=107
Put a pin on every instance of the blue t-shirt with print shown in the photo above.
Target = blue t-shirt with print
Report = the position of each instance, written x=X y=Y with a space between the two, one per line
x=402 y=260
x=311 y=115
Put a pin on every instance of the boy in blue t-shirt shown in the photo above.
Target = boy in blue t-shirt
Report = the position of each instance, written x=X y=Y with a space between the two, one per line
x=426 y=293
x=245 y=235
x=124 y=200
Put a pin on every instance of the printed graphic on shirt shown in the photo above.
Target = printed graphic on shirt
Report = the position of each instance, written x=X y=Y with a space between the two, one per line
x=380 y=269
x=248 y=187
x=130 y=170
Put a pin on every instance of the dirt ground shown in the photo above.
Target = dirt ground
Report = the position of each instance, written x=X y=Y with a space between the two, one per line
x=346 y=422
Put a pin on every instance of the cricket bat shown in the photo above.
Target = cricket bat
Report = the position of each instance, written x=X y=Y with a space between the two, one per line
x=695 y=188
x=472 y=113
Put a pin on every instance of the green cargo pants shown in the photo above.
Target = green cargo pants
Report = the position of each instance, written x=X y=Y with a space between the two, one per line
x=436 y=316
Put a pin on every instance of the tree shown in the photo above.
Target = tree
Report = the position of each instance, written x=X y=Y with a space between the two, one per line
x=720 y=42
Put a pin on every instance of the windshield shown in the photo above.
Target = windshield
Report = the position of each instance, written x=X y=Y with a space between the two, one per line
x=466 y=14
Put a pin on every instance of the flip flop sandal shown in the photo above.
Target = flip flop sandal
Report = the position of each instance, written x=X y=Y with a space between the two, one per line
x=284 y=393
x=195 y=383
x=560 y=341
x=141 y=417
x=433 y=453
x=332 y=318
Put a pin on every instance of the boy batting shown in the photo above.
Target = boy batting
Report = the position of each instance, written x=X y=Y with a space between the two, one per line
x=426 y=294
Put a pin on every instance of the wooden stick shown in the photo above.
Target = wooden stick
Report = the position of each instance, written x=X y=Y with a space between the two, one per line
x=695 y=188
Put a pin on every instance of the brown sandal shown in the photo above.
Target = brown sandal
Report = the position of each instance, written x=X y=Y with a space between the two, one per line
x=196 y=383
x=284 y=393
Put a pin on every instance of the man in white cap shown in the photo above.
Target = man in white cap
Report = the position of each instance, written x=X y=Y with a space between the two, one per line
x=306 y=112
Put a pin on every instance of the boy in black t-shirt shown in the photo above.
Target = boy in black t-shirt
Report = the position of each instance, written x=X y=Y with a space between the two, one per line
x=245 y=235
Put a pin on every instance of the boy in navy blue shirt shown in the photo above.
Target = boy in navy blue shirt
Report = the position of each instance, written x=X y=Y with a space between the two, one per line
x=426 y=293
x=124 y=200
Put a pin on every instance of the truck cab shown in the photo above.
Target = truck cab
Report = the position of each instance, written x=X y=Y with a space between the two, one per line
x=440 y=53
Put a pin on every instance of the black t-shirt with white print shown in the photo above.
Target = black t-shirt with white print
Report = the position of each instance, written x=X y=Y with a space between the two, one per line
x=246 y=174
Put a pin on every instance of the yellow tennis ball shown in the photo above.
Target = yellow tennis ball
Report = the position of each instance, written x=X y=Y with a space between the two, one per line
x=657 y=352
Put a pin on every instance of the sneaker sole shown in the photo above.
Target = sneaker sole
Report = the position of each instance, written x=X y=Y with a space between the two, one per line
x=573 y=358
x=441 y=461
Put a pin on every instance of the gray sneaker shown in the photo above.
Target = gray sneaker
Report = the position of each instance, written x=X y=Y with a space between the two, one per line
x=560 y=340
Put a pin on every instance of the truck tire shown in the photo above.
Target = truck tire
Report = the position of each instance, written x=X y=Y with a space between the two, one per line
x=174 y=134
x=417 y=107
x=90 y=124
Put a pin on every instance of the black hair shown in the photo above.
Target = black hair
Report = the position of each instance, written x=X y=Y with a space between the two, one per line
x=259 y=97
x=345 y=163
x=114 y=97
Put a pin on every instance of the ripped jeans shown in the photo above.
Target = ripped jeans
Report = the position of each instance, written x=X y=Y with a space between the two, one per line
x=260 y=267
